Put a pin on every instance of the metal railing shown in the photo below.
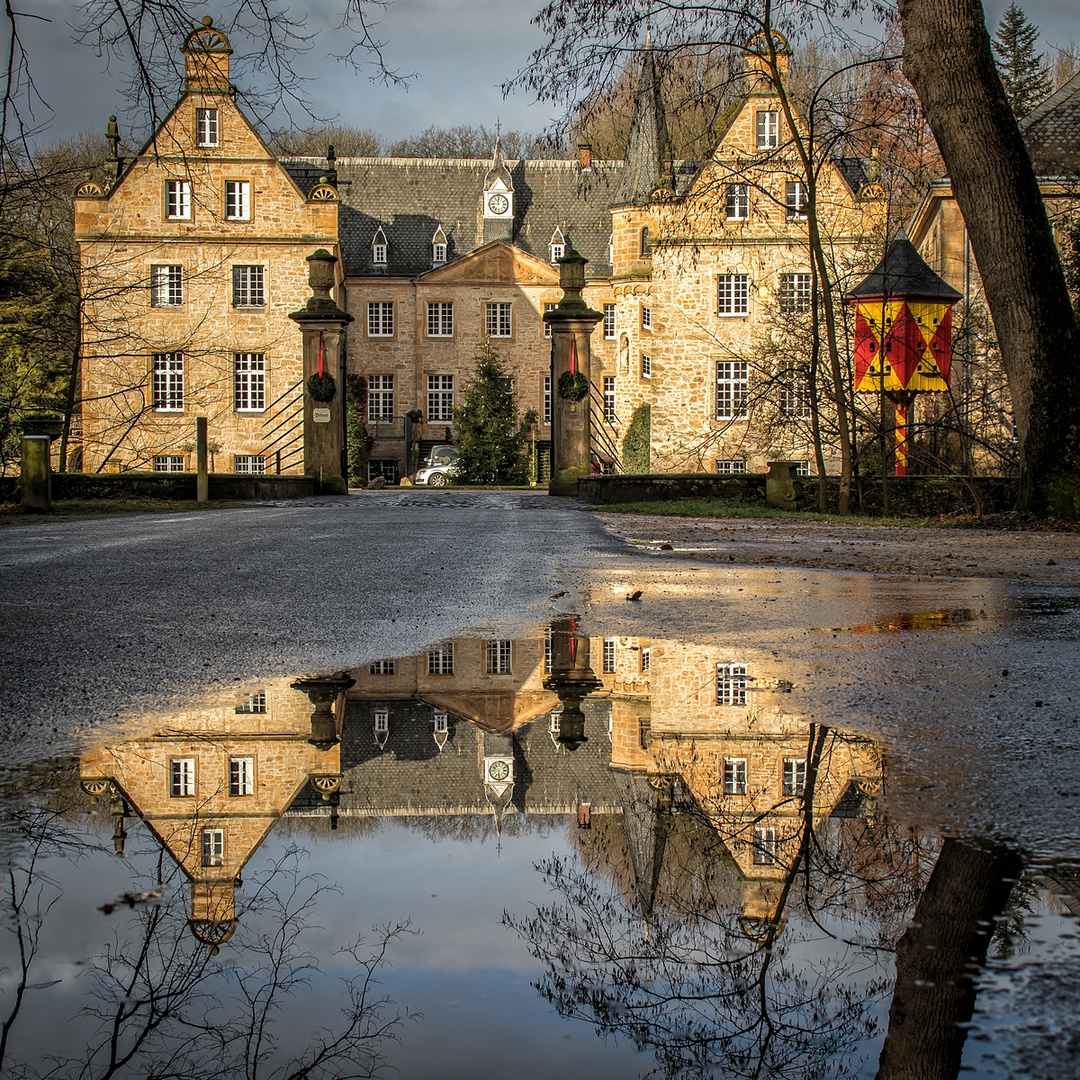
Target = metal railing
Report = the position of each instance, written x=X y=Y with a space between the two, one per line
x=283 y=428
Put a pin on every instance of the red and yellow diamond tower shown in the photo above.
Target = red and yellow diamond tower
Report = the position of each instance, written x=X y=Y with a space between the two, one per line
x=903 y=333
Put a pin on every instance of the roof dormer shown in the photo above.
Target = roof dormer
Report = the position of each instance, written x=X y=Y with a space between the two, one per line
x=439 y=247
x=380 y=250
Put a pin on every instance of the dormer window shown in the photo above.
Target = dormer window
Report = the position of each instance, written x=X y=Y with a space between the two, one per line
x=206 y=127
x=379 y=249
x=557 y=245
x=438 y=248
x=611 y=249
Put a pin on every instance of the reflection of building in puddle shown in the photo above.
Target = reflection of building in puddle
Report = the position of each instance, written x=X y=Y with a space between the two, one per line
x=212 y=783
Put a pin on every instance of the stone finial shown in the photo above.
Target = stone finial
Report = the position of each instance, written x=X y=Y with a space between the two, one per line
x=572 y=280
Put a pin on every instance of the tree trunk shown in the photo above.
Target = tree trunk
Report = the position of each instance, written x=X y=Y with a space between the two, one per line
x=934 y=993
x=948 y=60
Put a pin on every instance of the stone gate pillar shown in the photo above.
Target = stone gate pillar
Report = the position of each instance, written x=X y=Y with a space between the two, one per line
x=572 y=324
x=322 y=326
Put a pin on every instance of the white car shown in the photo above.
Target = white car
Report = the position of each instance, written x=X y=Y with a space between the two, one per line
x=440 y=467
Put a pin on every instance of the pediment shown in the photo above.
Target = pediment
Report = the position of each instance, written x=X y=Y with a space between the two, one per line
x=497 y=263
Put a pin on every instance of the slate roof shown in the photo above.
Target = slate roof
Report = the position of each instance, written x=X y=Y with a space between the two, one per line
x=903 y=273
x=1052 y=132
x=411 y=197
x=648 y=150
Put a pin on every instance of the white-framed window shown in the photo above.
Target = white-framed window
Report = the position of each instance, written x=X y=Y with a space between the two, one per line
x=764 y=845
x=381 y=721
x=440 y=722
x=249 y=286
x=497 y=320
x=440 y=660
x=732 y=294
x=166 y=286
x=206 y=127
x=181 y=777
x=440 y=318
x=730 y=466
x=646 y=366
x=387 y=468
x=237 y=200
x=439 y=247
x=795 y=199
x=609 y=322
x=547 y=650
x=609 y=399
x=545 y=399
x=646 y=657
x=380 y=397
x=768 y=129
x=732 y=389
x=734 y=776
x=167 y=392
x=794 y=776
x=249 y=381
x=382 y=667
x=380 y=250
x=380 y=318
x=557 y=251
x=547 y=326
x=178 y=200
x=241 y=776
x=440 y=397
x=794 y=399
x=802 y=468
x=794 y=294
x=731 y=684
x=608 y=655
x=168 y=463
x=253 y=703
x=646 y=317
x=555 y=724
x=737 y=202
x=499 y=657
x=249 y=464
x=213 y=847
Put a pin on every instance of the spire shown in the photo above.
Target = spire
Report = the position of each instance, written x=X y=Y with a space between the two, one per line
x=648 y=151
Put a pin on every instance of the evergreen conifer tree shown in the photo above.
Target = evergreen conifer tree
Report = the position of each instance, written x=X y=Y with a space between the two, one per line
x=1021 y=68
x=489 y=440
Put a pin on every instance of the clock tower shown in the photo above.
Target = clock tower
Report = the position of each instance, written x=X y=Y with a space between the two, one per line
x=498 y=200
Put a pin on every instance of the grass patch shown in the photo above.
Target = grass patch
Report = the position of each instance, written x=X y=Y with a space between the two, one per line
x=87 y=508
x=725 y=508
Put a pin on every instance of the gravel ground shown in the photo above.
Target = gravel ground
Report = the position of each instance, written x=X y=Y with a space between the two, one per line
x=879 y=549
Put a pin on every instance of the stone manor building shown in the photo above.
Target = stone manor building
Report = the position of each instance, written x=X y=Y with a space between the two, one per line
x=193 y=257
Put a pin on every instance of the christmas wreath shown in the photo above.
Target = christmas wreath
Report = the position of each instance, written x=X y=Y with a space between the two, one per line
x=322 y=387
x=573 y=385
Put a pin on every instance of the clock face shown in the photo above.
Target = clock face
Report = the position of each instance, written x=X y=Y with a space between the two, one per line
x=498 y=770
x=498 y=204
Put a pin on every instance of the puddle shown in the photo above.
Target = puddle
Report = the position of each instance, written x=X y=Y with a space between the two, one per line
x=596 y=847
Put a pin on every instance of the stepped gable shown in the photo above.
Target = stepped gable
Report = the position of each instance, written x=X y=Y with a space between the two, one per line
x=1052 y=132
x=411 y=197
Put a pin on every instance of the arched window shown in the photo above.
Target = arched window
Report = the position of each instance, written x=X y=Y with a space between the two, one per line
x=645 y=242
x=557 y=245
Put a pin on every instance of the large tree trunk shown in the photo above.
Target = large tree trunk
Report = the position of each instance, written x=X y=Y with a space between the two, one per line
x=947 y=58
x=934 y=993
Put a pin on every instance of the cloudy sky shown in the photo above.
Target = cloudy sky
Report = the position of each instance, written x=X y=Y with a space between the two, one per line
x=462 y=51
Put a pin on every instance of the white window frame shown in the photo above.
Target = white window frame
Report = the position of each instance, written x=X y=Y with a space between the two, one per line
x=181 y=778
x=499 y=319
x=499 y=656
x=237 y=200
x=731 y=684
x=610 y=416
x=440 y=398
x=730 y=466
x=249 y=382
x=380 y=719
x=609 y=655
x=249 y=286
x=610 y=326
x=207 y=131
x=213 y=847
x=646 y=317
x=440 y=659
x=546 y=402
x=253 y=703
x=767 y=129
x=802 y=468
x=382 y=667
x=168 y=463
x=737 y=202
x=794 y=396
x=440 y=318
x=440 y=722
x=732 y=296
x=557 y=252
x=646 y=658
x=167 y=285
x=795 y=199
x=764 y=845
x=241 y=777
x=793 y=777
x=646 y=366
x=732 y=390
x=379 y=254
x=795 y=293
x=380 y=318
x=249 y=464
x=167 y=386
x=736 y=776
x=178 y=200
x=438 y=254
x=549 y=306
x=380 y=397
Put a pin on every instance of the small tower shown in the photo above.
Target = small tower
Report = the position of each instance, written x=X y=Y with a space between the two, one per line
x=498 y=199
x=647 y=168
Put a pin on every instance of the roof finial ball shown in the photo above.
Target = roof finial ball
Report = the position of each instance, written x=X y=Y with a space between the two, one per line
x=208 y=20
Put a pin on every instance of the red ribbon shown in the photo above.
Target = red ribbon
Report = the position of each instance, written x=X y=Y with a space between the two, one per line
x=320 y=356
x=573 y=356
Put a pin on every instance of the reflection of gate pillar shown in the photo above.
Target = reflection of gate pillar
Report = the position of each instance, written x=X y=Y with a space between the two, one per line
x=572 y=324
x=322 y=326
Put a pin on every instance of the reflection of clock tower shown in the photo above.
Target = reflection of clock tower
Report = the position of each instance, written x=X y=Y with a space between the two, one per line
x=498 y=773
x=498 y=200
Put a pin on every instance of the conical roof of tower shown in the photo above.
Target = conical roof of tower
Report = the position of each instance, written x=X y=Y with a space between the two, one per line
x=902 y=275
x=648 y=149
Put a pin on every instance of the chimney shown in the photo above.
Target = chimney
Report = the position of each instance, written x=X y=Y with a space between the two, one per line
x=584 y=156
